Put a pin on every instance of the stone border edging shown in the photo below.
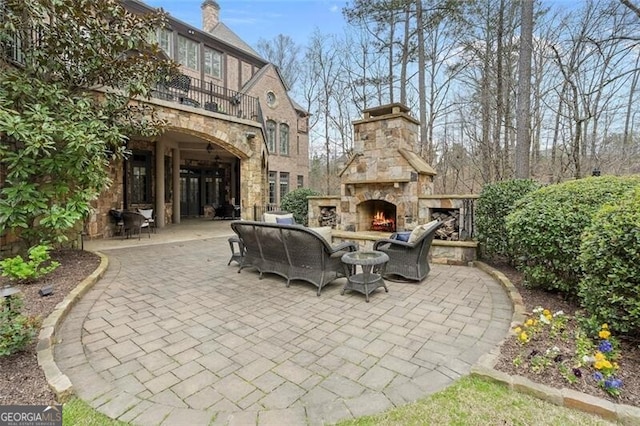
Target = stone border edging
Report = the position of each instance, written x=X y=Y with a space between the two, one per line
x=59 y=382
x=625 y=414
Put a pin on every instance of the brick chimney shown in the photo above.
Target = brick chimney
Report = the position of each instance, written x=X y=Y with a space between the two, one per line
x=210 y=15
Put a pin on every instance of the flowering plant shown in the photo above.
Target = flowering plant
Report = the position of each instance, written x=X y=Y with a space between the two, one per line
x=604 y=361
x=546 y=342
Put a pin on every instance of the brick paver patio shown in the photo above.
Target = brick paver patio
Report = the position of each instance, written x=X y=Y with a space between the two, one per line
x=172 y=335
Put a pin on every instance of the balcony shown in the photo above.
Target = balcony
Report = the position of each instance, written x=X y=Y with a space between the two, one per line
x=211 y=97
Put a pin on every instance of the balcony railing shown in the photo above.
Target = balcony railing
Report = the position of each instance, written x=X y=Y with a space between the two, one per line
x=211 y=97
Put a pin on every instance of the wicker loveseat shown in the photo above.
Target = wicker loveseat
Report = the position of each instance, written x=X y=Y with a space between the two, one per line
x=408 y=259
x=291 y=251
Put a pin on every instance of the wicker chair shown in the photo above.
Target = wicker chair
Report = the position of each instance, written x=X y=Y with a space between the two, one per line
x=291 y=251
x=408 y=260
x=133 y=222
x=148 y=215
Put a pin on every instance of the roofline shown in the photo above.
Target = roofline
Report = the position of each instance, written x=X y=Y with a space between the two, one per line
x=177 y=24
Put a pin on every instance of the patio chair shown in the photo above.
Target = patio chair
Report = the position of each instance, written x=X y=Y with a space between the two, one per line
x=133 y=222
x=116 y=216
x=225 y=211
x=408 y=259
x=148 y=215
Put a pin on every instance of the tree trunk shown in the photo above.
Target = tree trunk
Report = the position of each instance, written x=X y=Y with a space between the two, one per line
x=523 y=135
x=422 y=88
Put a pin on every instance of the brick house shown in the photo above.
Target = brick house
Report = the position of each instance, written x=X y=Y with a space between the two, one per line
x=234 y=135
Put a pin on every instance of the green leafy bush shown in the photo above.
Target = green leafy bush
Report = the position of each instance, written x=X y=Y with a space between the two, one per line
x=610 y=258
x=38 y=265
x=16 y=330
x=296 y=202
x=496 y=201
x=545 y=229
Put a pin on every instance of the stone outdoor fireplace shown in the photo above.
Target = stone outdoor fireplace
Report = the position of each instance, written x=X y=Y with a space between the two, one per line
x=386 y=187
x=383 y=179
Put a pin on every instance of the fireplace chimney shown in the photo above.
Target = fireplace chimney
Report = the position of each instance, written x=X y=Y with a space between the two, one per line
x=210 y=15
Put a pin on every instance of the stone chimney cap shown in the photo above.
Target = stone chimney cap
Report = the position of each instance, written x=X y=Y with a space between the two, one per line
x=210 y=3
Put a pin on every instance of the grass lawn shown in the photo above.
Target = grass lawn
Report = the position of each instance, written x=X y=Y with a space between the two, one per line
x=473 y=401
x=469 y=401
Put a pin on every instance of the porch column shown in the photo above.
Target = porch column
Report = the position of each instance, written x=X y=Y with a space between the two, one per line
x=176 y=185
x=160 y=189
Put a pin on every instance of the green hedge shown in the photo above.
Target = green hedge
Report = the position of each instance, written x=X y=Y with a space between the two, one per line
x=296 y=202
x=545 y=229
x=496 y=201
x=610 y=258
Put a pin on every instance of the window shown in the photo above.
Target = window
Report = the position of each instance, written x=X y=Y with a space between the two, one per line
x=284 y=139
x=300 y=181
x=271 y=99
x=165 y=38
x=141 y=178
x=188 y=53
x=284 y=184
x=212 y=62
x=271 y=136
x=12 y=47
x=272 y=187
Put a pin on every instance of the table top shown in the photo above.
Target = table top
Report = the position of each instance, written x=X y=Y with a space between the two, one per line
x=370 y=257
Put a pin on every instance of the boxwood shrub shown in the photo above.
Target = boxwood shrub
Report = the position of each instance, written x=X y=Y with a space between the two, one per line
x=610 y=258
x=545 y=229
x=495 y=202
x=296 y=202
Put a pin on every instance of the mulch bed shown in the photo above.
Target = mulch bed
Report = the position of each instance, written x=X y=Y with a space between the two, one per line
x=629 y=364
x=22 y=381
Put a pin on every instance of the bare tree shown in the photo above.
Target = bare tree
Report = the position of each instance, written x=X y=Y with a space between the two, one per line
x=283 y=52
x=323 y=60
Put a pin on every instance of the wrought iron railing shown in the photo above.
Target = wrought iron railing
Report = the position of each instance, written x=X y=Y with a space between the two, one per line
x=211 y=97
x=258 y=210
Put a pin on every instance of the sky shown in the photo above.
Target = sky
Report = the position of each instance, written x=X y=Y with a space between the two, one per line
x=252 y=20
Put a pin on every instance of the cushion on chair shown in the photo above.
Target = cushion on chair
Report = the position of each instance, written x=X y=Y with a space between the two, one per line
x=419 y=230
x=324 y=231
x=285 y=220
x=403 y=236
x=147 y=213
x=272 y=218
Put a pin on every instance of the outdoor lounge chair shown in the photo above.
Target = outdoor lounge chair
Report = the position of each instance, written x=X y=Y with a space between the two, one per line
x=408 y=260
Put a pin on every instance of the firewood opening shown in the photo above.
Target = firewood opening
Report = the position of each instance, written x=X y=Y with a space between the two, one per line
x=450 y=230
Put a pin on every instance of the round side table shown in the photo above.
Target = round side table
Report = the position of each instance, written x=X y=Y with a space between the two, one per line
x=367 y=281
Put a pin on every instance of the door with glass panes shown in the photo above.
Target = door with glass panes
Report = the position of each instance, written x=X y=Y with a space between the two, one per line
x=199 y=188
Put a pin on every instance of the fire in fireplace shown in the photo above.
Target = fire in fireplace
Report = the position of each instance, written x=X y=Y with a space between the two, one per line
x=381 y=223
x=376 y=215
